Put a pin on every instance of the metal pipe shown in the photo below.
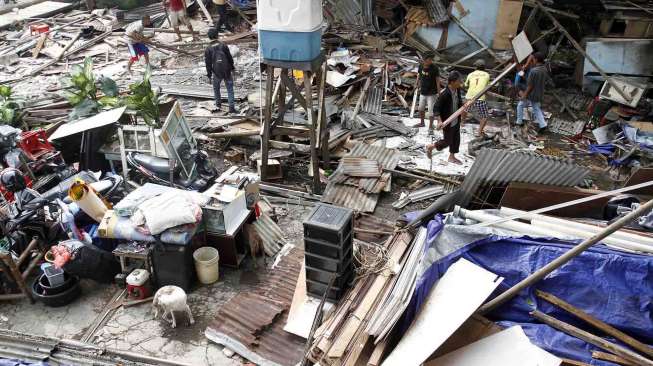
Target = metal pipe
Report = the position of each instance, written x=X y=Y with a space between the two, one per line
x=592 y=229
x=516 y=226
x=563 y=259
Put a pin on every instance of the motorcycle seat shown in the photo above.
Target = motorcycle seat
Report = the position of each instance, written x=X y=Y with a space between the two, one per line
x=153 y=163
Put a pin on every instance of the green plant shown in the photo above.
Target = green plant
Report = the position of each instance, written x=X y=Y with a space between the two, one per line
x=82 y=92
x=144 y=100
x=10 y=113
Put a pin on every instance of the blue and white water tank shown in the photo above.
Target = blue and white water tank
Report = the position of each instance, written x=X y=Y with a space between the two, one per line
x=290 y=30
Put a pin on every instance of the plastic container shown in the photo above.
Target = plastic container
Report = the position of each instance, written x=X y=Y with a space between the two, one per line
x=291 y=46
x=55 y=275
x=329 y=223
x=289 y=15
x=328 y=264
x=327 y=249
x=207 y=264
x=138 y=277
x=172 y=265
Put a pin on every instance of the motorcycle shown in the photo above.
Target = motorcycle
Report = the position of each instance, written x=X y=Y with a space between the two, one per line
x=160 y=171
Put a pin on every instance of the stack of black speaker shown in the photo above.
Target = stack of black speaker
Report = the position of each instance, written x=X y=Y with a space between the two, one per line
x=328 y=245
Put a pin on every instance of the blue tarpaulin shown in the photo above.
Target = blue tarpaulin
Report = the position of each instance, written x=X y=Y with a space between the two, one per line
x=613 y=286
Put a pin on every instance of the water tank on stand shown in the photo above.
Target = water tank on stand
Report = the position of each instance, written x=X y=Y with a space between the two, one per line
x=290 y=30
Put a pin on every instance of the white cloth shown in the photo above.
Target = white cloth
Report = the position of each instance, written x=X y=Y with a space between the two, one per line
x=165 y=211
x=178 y=17
x=429 y=100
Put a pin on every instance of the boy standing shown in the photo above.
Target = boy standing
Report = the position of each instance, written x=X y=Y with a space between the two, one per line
x=135 y=37
x=449 y=102
x=220 y=66
x=429 y=86
x=475 y=83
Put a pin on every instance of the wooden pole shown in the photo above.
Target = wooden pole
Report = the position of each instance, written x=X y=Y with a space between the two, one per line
x=267 y=120
x=592 y=339
x=312 y=123
x=604 y=356
x=206 y=12
x=596 y=323
x=460 y=110
x=563 y=259
x=580 y=49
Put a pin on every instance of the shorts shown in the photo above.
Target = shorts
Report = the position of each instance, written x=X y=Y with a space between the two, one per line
x=178 y=17
x=429 y=100
x=481 y=109
x=136 y=50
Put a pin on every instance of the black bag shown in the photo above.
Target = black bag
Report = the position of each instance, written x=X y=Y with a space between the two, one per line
x=221 y=67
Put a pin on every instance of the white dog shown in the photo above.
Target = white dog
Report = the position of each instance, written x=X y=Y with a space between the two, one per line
x=170 y=299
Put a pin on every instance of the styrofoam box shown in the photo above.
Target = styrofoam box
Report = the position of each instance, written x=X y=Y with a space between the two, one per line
x=289 y=15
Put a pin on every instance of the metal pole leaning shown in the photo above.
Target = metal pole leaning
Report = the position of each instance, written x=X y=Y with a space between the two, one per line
x=563 y=259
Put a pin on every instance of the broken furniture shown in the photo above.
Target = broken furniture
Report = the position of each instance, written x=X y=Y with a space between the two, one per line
x=224 y=217
x=275 y=127
x=10 y=268
x=328 y=242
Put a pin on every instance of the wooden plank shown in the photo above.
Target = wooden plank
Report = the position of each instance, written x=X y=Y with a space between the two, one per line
x=456 y=296
x=378 y=353
x=604 y=356
x=592 y=339
x=267 y=121
x=355 y=321
x=206 y=12
x=312 y=123
x=290 y=84
x=290 y=146
x=597 y=323
x=39 y=45
x=507 y=23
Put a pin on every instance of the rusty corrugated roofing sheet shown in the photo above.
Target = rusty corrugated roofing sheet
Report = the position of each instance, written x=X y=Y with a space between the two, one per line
x=251 y=323
x=361 y=194
x=360 y=167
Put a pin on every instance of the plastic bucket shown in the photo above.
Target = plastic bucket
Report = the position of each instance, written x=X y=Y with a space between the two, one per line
x=207 y=264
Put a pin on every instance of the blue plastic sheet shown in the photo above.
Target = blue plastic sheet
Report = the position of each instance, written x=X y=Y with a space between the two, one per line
x=610 y=285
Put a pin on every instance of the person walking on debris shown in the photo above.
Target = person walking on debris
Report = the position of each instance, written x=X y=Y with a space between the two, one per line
x=219 y=67
x=534 y=93
x=221 y=5
x=429 y=87
x=176 y=15
x=475 y=83
x=135 y=37
x=449 y=101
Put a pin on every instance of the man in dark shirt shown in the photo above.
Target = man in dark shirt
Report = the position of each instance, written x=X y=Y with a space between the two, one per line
x=534 y=93
x=448 y=103
x=220 y=66
x=429 y=86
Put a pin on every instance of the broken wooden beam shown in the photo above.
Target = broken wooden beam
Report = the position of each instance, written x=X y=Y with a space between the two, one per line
x=591 y=339
x=596 y=323
x=604 y=356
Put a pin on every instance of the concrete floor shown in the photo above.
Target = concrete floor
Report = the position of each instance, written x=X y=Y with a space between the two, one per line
x=134 y=329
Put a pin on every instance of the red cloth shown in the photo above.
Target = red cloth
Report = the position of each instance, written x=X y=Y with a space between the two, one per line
x=176 y=5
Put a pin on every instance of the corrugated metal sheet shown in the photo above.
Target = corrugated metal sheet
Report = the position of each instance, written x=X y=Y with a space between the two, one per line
x=361 y=194
x=437 y=11
x=360 y=167
x=374 y=100
x=251 y=323
x=270 y=233
x=389 y=122
x=499 y=167
x=350 y=197
x=346 y=12
x=198 y=91
x=56 y=352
